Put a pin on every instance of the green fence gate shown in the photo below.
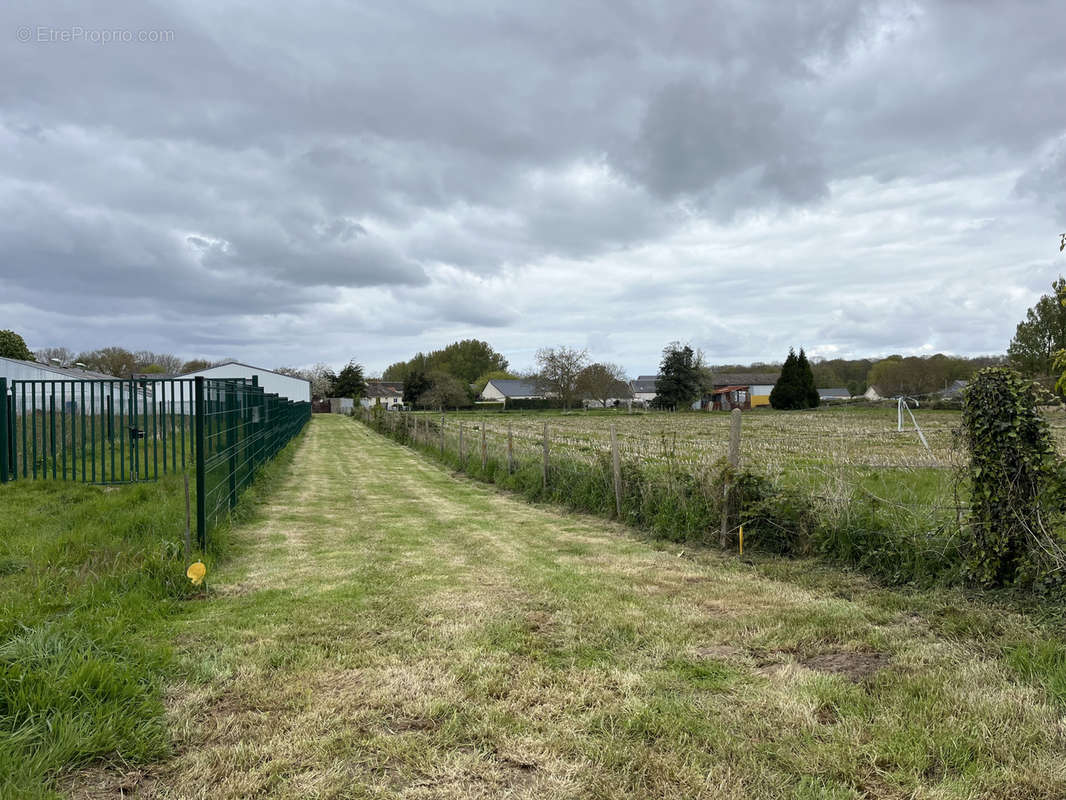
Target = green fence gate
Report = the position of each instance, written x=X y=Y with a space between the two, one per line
x=121 y=431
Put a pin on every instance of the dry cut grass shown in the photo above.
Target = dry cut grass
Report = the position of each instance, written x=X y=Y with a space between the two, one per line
x=393 y=631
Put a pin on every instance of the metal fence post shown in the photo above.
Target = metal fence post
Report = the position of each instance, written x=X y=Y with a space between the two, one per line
x=4 y=445
x=231 y=440
x=198 y=426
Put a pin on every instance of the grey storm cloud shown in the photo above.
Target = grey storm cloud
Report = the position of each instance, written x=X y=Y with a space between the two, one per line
x=295 y=183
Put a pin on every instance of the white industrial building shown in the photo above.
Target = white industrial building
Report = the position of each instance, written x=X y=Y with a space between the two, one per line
x=296 y=389
x=56 y=391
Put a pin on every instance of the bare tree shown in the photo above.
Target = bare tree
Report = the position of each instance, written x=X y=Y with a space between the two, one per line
x=602 y=383
x=60 y=356
x=322 y=379
x=445 y=391
x=557 y=371
x=147 y=361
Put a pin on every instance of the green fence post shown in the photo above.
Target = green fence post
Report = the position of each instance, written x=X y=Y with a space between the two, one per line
x=231 y=441
x=3 y=431
x=198 y=425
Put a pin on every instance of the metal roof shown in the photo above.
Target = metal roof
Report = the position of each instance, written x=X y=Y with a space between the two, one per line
x=745 y=378
x=232 y=362
x=515 y=388
x=64 y=373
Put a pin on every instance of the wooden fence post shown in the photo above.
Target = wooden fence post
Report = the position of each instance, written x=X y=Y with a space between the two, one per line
x=484 y=453
x=510 y=449
x=616 y=468
x=442 y=436
x=734 y=462
x=545 y=467
x=462 y=462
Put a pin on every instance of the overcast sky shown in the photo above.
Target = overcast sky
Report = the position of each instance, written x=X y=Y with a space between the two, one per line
x=316 y=181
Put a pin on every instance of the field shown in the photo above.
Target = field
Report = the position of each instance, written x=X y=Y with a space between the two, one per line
x=385 y=628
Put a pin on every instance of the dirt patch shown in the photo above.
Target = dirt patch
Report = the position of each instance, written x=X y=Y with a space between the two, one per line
x=409 y=724
x=826 y=715
x=719 y=651
x=100 y=783
x=853 y=666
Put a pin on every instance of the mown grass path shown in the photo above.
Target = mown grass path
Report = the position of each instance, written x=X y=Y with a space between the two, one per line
x=390 y=630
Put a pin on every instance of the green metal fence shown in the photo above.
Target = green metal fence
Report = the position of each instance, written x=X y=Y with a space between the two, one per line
x=121 y=431
x=96 y=431
x=240 y=429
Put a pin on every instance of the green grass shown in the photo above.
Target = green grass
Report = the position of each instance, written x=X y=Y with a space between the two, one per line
x=90 y=580
x=90 y=574
x=391 y=630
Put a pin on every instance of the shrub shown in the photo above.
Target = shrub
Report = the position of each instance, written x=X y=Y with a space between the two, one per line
x=1015 y=483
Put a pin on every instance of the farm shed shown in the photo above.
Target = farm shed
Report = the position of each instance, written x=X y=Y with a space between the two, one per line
x=827 y=395
x=502 y=390
x=745 y=390
x=284 y=386
x=383 y=393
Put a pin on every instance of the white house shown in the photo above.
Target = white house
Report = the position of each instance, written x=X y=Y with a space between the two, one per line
x=286 y=386
x=643 y=388
x=501 y=390
x=383 y=393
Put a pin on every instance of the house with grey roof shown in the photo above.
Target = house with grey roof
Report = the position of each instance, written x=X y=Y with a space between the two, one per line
x=500 y=390
x=388 y=394
x=643 y=388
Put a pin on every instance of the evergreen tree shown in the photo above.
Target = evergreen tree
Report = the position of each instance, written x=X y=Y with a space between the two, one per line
x=806 y=376
x=350 y=382
x=679 y=380
x=787 y=392
x=415 y=385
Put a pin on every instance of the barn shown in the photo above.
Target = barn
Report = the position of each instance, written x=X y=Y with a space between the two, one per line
x=285 y=386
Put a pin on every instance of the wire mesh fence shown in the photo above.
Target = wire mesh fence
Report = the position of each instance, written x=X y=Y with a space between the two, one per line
x=127 y=430
x=239 y=429
x=848 y=484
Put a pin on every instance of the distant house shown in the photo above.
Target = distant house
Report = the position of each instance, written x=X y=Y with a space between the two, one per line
x=873 y=394
x=744 y=390
x=827 y=395
x=643 y=388
x=500 y=390
x=388 y=394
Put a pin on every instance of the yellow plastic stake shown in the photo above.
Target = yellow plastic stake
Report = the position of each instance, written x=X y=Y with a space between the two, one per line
x=742 y=540
x=196 y=573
